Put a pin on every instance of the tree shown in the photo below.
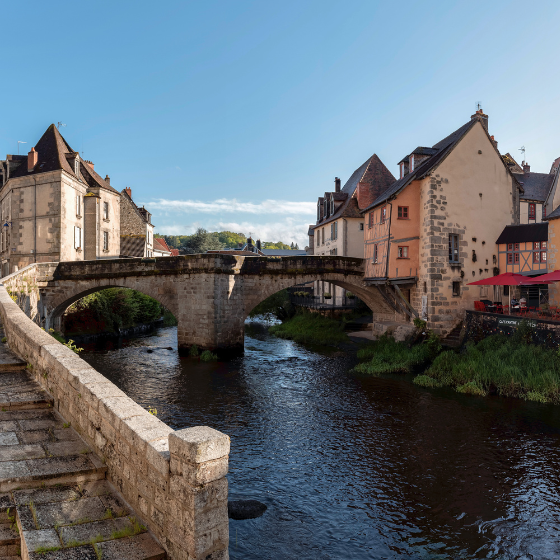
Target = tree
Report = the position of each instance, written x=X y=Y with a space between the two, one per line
x=200 y=242
x=296 y=247
x=231 y=239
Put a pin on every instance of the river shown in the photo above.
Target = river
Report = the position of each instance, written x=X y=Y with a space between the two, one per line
x=356 y=467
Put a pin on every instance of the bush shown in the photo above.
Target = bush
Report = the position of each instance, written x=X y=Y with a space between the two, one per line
x=193 y=350
x=311 y=328
x=278 y=305
x=207 y=356
x=510 y=367
x=388 y=356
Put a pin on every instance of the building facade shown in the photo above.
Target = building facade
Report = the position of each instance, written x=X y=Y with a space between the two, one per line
x=55 y=207
x=339 y=229
x=136 y=228
x=434 y=229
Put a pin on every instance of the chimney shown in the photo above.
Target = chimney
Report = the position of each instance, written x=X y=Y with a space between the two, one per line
x=479 y=115
x=526 y=168
x=32 y=159
x=108 y=179
x=259 y=244
x=128 y=191
x=495 y=142
x=90 y=163
x=336 y=184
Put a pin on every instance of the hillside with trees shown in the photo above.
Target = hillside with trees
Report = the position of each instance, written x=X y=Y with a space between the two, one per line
x=202 y=241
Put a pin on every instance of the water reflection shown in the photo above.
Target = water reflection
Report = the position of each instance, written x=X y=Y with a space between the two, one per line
x=356 y=468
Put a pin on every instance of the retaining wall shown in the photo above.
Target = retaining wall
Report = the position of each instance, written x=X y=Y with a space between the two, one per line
x=175 y=480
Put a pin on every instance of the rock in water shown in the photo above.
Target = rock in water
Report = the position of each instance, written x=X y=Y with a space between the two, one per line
x=245 y=509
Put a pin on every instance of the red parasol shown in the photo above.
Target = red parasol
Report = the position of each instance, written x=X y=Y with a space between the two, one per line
x=549 y=278
x=506 y=279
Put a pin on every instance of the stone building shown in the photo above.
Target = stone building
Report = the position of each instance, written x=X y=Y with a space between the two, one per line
x=340 y=225
x=136 y=228
x=55 y=207
x=434 y=230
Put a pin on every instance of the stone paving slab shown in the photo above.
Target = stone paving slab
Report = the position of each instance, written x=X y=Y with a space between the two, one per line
x=9 y=361
x=40 y=538
x=46 y=495
x=78 y=553
x=139 y=547
x=8 y=535
x=16 y=452
x=8 y=438
x=96 y=531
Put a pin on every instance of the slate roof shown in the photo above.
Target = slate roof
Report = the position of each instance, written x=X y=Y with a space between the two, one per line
x=554 y=214
x=52 y=150
x=442 y=150
x=283 y=252
x=524 y=233
x=372 y=171
x=536 y=185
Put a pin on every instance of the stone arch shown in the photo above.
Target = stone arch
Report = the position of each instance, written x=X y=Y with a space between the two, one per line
x=65 y=293
x=368 y=294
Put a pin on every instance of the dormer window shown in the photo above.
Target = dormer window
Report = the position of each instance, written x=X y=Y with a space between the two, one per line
x=411 y=163
x=332 y=205
x=402 y=169
x=77 y=166
x=318 y=211
x=326 y=208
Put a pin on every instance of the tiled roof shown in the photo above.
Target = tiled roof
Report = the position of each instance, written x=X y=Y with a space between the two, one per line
x=443 y=148
x=524 y=233
x=161 y=245
x=536 y=185
x=129 y=198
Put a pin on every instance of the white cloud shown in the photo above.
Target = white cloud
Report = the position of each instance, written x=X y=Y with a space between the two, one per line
x=289 y=230
x=233 y=205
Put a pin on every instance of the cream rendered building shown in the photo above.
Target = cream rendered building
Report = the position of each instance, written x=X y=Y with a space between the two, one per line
x=340 y=226
x=55 y=207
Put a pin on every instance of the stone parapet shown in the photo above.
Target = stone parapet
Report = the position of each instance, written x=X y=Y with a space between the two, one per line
x=174 y=480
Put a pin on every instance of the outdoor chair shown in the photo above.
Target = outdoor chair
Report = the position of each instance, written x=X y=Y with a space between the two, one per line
x=505 y=309
x=499 y=308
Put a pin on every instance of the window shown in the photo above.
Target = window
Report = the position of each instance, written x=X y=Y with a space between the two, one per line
x=456 y=289
x=334 y=251
x=318 y=211
x=403 y=252
x=322 y=236
x=332 y=205
x=77 y=237
x=531 y=211
x=383 y=214
x=403 y=213
x=105 y=240
x=370 y=224
x=544 y=211
x=402 y=170
x=453 y=248
x=543 y=256
x=516 y=258
x=336 y=230
x=375 y=253
x=510 y=258
x=539 y=251
x=536 y=257
x=78 y=205
x=411 y=163
x=361 y=226
x=77 y=167
x=105 y=210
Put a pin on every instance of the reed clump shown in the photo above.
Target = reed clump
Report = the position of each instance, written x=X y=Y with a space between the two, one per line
x=311 y=328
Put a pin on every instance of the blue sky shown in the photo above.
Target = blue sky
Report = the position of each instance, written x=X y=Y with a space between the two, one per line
x=237 y=115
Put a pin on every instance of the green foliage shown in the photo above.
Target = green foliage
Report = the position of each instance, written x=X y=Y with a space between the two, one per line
x=207 y=356
x=4 y=339
x=193 y=350
x=277 y=304
x=419 y=324
x=311 y=328
x=385 y=355
x=425 y=381
x=169 y=319
x=200 y=242
x=277 y=245
x=231 y=239
x=507 y=366
x=110 y=310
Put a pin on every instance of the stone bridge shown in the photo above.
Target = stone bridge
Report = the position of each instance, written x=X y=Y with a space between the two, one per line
x=211 y=295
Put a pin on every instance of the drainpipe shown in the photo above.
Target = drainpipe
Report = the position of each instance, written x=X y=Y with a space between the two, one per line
x=389 y=235
x=35 y=222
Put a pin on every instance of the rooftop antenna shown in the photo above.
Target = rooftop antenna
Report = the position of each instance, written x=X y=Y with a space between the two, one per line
x=478 y=106
x=522 y=150
x=59 y=125
x=18 y=143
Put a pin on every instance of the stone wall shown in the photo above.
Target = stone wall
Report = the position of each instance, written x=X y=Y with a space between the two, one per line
x=174 y=480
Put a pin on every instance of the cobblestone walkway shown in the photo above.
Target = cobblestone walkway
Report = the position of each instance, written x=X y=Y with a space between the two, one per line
x=55 y=502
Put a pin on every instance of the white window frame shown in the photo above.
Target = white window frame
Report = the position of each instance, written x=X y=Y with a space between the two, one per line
x=77 y=237
x=77 y=166
x=78 y=205
x=105 y=240
x=411 y=163
x=105 y=210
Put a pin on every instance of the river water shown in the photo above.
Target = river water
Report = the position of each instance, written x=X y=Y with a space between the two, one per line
x=355 y=467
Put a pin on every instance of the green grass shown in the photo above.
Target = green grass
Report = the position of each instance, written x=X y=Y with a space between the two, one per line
x=311 y=328
x=506 y=366
x=387 y=356
x=207 y=356
x=44 y=549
